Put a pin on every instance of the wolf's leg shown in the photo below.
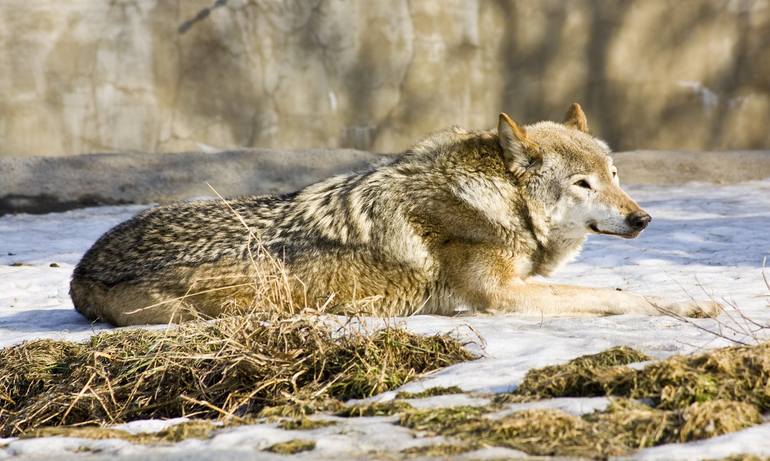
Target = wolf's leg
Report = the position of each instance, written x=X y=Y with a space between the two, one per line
x=489 y=278
x=573 y=300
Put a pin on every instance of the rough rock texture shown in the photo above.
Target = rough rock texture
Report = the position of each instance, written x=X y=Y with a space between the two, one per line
x=85 y=75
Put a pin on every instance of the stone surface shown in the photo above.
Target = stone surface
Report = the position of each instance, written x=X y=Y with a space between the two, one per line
x=678 y=167
x=86 y=76
x=45 y=184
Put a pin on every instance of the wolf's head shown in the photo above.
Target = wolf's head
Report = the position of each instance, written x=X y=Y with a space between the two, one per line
x=570 y=175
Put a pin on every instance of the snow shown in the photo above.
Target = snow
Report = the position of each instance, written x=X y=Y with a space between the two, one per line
x=574 y=405
x=705 y=241
x=753 y=440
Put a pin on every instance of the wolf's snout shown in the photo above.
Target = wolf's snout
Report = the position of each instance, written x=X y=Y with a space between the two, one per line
x=638 y=220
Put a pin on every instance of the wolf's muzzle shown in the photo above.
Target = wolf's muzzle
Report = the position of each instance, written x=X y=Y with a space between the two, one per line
x=638 y=220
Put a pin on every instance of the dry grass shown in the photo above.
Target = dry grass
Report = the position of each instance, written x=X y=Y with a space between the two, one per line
x=739 y=373
x=27 y=371
x=594 y=374
x=743 y=457
x=305 y=424
x=224 y=369
x=441 y=450
x=626 y=426
x=716 y=417
x=690 y=398
x=172 y=434
x=291 y=447
x=430 y=392
x=388 y=408
x=441 y=420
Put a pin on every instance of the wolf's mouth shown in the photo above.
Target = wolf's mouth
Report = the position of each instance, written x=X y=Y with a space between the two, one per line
x=595 y=229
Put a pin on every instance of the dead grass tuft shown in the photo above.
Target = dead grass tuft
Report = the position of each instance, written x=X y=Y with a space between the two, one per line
x=743 y=457
x=430 y=392
x=629 y=424
x=734 y=373
x=502 y=399
x=690 y=398
x=441 y=450
x=716 y=417
x=299 y=408
x=292 y=447
x=305 y=424
x=596 y=374
x=172 y=434
x=30 y=370
x=625 y=426
x=388 y=408
x=225 y=369
x=440 y=420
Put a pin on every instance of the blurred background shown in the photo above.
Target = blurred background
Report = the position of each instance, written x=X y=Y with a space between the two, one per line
x=82 y=76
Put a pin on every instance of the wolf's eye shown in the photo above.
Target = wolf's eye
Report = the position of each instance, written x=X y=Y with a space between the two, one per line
x=583 y=183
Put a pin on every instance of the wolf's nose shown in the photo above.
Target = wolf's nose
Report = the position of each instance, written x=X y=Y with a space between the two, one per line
x=638 y=220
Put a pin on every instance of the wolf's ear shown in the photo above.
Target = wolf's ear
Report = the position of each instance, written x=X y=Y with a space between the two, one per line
x=576 y=118
x=519 y=152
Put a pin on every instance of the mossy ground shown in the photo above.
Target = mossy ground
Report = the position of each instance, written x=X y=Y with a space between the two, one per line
x=744 y=458
x=734 y=373
x=388 y=408
x=196 y=429
x=589 y=375
x=721 y=391
x=441 y=450
x=291 y=447
x=681 y=399
x=625 y=426
x=690 y=398
x=227 y=369
x=305 y=424
x=430 y=392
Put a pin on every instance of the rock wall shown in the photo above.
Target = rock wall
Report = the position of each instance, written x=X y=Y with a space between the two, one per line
x=171 y=75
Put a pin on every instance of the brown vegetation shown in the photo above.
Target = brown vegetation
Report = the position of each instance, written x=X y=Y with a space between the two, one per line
x=227 y=369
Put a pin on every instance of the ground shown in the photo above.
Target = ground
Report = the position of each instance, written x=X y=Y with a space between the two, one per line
x=704 y=241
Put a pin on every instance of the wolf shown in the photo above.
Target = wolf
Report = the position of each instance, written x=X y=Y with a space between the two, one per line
x=459 y=223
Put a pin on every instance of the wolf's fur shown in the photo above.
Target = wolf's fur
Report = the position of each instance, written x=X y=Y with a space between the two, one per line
x=459 y=222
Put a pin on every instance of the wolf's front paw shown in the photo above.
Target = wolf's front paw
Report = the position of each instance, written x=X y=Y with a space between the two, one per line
x=697 y=309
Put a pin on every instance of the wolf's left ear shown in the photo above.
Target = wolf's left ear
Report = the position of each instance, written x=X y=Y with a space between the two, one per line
x=519 y=152
x=576 y=118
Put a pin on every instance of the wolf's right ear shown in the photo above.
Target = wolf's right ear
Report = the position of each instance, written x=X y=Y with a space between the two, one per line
x=519 y=152
x=576 y=118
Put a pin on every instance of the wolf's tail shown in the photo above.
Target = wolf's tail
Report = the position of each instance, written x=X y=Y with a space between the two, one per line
x=85 y=296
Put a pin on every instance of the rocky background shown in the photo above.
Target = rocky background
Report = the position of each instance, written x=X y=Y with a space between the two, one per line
x=83 y=76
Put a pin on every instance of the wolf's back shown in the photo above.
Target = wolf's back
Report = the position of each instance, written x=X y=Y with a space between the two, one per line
x=187 y=234
x=354 y=235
